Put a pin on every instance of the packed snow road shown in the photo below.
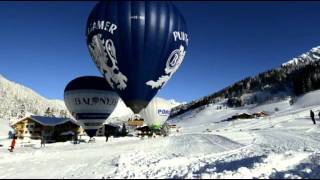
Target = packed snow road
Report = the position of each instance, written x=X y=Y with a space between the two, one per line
x=266 y=154
x=128 y=158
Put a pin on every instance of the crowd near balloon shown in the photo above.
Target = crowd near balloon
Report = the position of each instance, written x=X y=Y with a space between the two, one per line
x=137 y=46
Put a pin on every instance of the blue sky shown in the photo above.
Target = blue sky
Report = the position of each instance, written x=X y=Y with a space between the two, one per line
x=43 y=43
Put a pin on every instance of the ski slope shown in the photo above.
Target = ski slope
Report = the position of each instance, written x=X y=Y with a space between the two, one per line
x=284 y=144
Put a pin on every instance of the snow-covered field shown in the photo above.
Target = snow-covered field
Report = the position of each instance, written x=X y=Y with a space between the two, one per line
x=284 y=144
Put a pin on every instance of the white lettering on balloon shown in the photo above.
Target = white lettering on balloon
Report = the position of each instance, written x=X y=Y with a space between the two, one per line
x=103 y=53
x=180 y=36
x=173 y=63
x=95 y=101
x=102 y=25
x=137 y=17
x=163 y=112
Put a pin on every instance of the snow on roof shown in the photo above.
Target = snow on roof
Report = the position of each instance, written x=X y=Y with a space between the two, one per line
x=113 y=125
x=47 y=121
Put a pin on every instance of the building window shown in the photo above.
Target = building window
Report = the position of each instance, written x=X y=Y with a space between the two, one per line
x=26 y=132
x=27 y=126
x=30 y=132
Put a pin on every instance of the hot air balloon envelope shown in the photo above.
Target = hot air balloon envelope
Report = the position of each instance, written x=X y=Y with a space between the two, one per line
x=156 y=113
x=137 y=46
x=90 y=100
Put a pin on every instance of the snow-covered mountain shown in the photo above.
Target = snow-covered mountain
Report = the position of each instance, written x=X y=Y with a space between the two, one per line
x=17 y=100
x=305 y=58
x=293 y=78
x=175 y=103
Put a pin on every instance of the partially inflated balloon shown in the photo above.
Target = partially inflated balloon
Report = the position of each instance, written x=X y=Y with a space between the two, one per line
x=137 y=46
x=90 y=100
x=156 y=113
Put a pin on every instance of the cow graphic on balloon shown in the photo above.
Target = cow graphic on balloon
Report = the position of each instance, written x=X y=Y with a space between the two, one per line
x=137 y=47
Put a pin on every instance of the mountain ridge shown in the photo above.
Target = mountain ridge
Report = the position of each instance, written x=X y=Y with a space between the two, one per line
x=18 y=100
x=293 y=78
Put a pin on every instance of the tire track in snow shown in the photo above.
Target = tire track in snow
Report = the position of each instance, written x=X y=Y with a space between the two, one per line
x=273 y=151
x=175 y=161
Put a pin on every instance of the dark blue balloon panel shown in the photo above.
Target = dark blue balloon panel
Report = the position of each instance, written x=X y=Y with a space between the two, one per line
x=137 y=46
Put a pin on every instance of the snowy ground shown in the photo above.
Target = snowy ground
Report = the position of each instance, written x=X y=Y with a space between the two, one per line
x=284 y=144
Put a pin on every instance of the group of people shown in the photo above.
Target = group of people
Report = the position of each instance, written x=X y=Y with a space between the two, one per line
x=312 y=116
x=14 y=139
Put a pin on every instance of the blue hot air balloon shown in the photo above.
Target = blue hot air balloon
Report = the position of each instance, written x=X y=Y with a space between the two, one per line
x=90 y=100
x=137 y=46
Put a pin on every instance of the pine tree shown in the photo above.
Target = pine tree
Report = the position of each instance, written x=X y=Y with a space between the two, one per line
x=22 y=112
x=47 y=112
x=309 y=84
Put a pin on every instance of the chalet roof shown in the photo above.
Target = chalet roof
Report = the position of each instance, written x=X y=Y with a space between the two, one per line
x=261 y=112
x=47 y=121
x=112 y=125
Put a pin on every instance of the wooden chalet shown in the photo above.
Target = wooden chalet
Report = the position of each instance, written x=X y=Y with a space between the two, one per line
x=260 y=114
x=242 y=116
x=249 y=116
x=50 y=128
x=135 y=121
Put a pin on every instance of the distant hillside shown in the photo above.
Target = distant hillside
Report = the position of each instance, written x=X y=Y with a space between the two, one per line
x=18 y=100
x=293 y=78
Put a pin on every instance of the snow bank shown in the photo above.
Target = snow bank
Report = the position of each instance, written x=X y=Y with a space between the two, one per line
x=309 y=99
x=272 y=107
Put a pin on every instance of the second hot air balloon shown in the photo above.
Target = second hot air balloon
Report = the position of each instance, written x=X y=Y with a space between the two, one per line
x=90 y=100
x=137 y=46
x=156 y=113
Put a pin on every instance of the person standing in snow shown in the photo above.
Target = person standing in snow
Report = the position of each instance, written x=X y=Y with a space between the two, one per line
x=75 y=139
x=319 y=115
x=43 y=142
x=312 y=116
x=107 y=136
x=13 y=143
